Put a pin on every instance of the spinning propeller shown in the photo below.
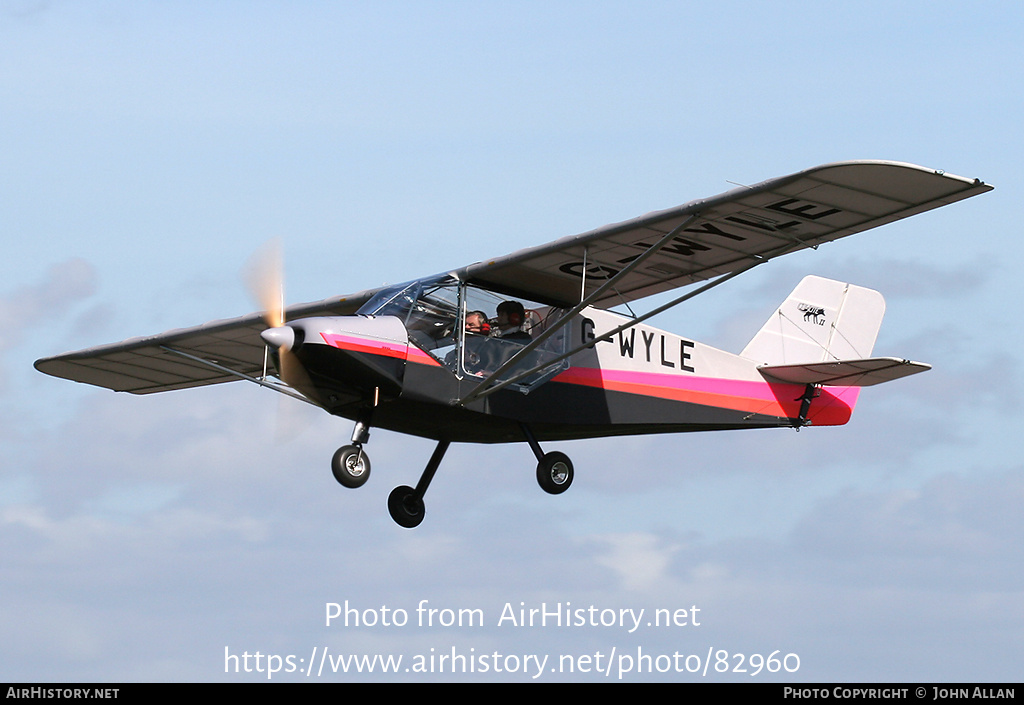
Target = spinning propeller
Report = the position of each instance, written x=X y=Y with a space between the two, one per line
x=264 y=276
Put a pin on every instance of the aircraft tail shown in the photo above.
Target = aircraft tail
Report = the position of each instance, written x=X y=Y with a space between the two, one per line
x=822 y=320
x=823 y=334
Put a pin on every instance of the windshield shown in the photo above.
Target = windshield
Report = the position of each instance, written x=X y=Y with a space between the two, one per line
x=429 y=310
x=392 y=301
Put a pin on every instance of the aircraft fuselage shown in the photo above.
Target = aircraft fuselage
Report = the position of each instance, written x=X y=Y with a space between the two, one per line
x=640 y=381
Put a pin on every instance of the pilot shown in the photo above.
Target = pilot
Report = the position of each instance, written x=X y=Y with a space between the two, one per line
x=509 y=323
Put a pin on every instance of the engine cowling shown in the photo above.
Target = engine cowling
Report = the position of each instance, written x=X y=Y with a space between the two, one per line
x=349 y=356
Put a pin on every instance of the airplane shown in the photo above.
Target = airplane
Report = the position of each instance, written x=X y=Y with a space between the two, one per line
x=557 y=362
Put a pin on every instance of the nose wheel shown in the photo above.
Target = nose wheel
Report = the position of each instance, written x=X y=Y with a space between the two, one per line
x=351 y=466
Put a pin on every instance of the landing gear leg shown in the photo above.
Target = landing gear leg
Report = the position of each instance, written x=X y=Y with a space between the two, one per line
x=554 y=469
x=405 y=504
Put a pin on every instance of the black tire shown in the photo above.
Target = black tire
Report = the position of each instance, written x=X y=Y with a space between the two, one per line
x=405 y=507
x=351 y=466
x=554 y=472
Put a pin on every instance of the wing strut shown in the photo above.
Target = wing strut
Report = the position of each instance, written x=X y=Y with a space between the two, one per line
x=485 y=389
x=241 y=375
x=488 y=384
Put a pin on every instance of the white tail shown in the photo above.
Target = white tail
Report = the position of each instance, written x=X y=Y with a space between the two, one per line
x=821 y=321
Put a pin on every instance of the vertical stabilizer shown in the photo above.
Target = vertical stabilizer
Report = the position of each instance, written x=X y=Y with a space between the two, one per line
x=822 y=320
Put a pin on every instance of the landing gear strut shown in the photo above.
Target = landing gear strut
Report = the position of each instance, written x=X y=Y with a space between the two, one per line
x=351 y=468
x=554 y=469
x=405 y=504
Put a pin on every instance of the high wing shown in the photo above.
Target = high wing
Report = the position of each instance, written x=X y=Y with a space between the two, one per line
x=703 y=239
x=219 y=351
x=723 y=234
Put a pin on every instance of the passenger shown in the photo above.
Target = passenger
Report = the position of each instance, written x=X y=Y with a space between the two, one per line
x=476 y=322
x=509 y=323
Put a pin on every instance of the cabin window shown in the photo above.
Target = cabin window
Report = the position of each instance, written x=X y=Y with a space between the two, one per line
x=509 y=324
x=472 y=331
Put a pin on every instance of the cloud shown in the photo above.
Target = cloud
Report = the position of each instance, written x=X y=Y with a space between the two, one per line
x=916 y=279
x=965 y=373
x=179 y=515
x=211 y=533
x=953 y=529
x=24 y=9
x=63 y=285
x=909 y=278
x=639 y=559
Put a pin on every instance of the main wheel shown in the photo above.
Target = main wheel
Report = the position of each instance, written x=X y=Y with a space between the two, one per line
x=554 y=472
x=405 y=507
x=351 y=466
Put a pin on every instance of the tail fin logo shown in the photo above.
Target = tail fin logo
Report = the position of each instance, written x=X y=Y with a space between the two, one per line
x=813 y=314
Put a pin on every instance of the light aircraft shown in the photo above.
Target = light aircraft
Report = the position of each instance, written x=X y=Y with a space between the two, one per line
x=558 y=364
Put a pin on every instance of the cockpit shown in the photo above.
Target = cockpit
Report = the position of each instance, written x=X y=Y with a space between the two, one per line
x=474 y=332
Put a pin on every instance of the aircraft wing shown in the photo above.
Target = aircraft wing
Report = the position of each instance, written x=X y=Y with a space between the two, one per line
x=226 y=349
x=729 y=232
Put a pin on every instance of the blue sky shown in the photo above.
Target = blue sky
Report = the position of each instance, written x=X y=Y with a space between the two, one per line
x=150 y=148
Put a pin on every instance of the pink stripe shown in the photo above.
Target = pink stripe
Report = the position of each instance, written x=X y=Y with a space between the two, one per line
x=711 y=385
x=832 y=407
x=378 y=347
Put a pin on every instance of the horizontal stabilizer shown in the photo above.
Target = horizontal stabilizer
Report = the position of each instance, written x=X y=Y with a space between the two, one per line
x=844 y=373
